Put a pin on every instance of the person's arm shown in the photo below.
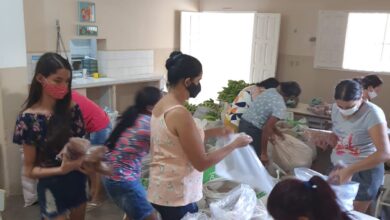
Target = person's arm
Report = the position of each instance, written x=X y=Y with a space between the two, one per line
x=267 y=133
x=217 y=132
x=378 y=134
x=192 y=143
x=35 y=172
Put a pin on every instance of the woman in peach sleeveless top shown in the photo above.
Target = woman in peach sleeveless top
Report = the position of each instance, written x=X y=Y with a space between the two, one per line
x=177 y=143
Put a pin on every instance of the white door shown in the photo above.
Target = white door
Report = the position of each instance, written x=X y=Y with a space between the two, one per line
x=265 y=46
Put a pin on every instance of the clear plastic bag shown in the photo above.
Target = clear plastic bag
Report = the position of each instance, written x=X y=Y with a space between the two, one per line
x=345 y=193
x=261 y=212
x=195 y=216
x=291 y=153
x=239 y=203
x=244 y=165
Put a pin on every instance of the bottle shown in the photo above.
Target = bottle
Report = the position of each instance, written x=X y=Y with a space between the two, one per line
x=85 y=76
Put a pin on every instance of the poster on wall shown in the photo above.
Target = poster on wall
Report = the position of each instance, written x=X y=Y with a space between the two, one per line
x=87 y=30
x=87 y=12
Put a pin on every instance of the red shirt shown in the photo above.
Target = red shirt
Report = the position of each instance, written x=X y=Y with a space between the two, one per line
x=95 y=118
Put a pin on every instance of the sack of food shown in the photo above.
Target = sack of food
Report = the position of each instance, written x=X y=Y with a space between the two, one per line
x=290 y=153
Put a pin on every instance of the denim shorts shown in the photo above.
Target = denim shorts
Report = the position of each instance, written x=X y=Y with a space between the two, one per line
x=370 y=181
x=100 y=137
x=58 y=194
x=175 y=213
x=130 y=196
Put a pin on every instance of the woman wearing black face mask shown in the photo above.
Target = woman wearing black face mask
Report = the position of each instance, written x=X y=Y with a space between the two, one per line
x=177 y=149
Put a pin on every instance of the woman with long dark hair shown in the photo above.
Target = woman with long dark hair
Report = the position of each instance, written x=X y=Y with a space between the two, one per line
x=294 y=199
x=128 y=144
x=45 y=125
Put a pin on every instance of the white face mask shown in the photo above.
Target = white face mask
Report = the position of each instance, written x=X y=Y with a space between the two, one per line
x=372 y=94
x=350 y=111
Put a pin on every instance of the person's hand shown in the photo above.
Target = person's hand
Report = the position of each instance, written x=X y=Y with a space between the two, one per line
x=242 y=140
x=264 y=159
x=278 y=133
x=340 y=176
x=227 y=131
x=70 y=165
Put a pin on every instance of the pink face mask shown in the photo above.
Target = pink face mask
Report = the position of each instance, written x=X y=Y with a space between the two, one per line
x=55 y=91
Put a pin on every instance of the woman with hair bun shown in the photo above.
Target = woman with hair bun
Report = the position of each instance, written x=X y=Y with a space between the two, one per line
x=177 y=143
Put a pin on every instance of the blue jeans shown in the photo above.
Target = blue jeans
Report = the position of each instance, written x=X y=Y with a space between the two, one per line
x=100 y=137
x=175 y=213
x=59 y=194
x=130 y=196
x=369 y=183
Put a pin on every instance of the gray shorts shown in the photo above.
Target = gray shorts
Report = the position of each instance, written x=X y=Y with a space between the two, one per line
x=370 y=181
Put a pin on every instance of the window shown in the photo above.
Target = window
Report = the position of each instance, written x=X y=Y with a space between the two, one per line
x=223 y=44
x=367 y=42
x=356 y=41
x=231 y=46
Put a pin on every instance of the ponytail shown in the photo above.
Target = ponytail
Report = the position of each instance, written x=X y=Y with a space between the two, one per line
x=325 y=204
x=314 y=199
x=126 y=120
x=144 y=98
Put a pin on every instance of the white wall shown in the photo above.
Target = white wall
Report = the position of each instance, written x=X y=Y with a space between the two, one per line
x=12 y=35
x=13 y=88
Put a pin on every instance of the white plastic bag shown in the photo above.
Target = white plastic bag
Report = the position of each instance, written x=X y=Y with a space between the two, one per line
x=240 y=204
x=29 y=186
x=291 y=153
x=195 y=216
x=345 y=193
x=261 y=212
x=244 y=166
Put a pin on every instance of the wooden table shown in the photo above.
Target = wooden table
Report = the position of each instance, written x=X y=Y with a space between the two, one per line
x=314 y=121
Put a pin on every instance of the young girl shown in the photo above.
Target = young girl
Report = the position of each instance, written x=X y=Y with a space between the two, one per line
x=294 y=199
x=45 y=125
x=128 y=144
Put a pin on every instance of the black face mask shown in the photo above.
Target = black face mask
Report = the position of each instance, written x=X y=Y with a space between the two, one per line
x=194 y=89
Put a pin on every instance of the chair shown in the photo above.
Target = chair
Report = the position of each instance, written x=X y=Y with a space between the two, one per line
x=2 y=201
x=384 y=196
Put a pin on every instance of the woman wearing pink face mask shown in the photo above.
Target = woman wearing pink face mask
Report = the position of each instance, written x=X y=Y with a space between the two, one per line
x=45 y=125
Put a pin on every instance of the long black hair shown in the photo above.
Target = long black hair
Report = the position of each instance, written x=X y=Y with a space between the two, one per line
x=314 y=199
x=59 y=126
x=144 y=98
x=348 y=90
x=182 y=66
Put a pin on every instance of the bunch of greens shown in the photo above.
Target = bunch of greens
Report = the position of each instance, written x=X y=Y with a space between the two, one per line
x=229 y=93
x=214 y=112
x=190 y=107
